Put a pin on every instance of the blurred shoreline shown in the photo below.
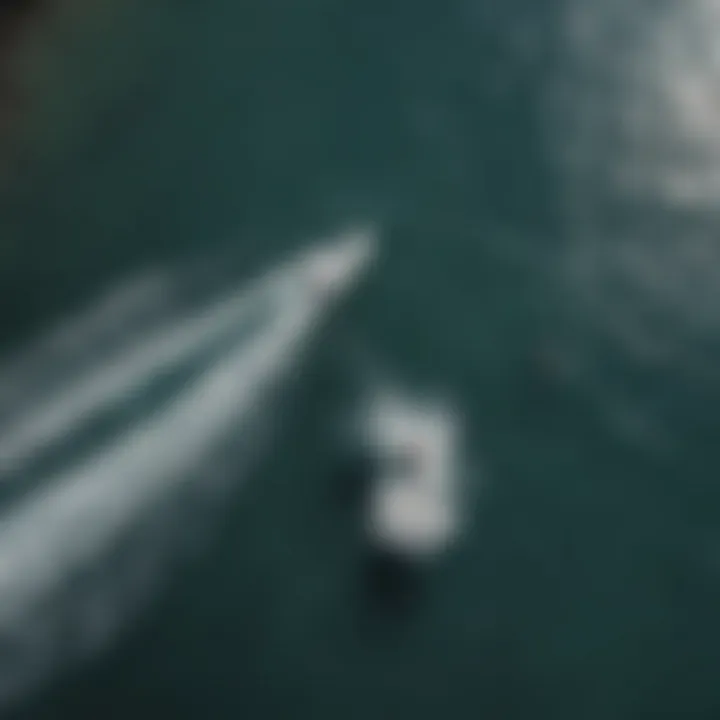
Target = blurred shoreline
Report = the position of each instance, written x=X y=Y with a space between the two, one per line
x=18 y=20
x=38 y=44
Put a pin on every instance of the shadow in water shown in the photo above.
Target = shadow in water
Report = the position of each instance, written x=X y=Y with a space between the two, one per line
x=389 y=588
x=392 y=586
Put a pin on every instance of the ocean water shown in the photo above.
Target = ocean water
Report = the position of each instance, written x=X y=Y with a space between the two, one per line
x=544 y=178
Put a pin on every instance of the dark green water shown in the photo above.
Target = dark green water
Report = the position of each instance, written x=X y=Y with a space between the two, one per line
x=588 y=585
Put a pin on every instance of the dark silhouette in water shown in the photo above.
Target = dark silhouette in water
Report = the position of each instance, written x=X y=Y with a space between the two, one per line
x=390 y=585
x=393 y=584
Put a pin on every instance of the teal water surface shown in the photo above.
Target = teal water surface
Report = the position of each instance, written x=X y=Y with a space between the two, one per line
x=587 y=585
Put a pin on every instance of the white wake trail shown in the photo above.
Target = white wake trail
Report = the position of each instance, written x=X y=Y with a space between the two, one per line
x=125 y=373
x=63 y=593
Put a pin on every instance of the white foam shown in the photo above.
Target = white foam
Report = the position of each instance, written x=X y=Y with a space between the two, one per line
x=415 y=503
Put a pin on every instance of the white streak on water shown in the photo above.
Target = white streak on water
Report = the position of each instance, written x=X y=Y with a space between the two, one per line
x=125 y=373
x=123 y=311
x=61 y=592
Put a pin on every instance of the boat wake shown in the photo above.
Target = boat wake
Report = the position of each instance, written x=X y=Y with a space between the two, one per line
x=95 y=529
